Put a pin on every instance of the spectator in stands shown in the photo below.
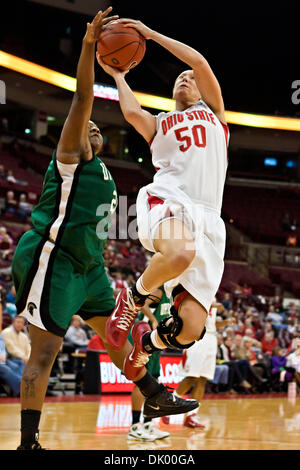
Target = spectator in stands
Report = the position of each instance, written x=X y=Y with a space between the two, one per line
x=238 y=305
x=255 y=344
x=11 y=295
x=17 y=345
x=7 y=375
x=269 y=342
x=277 y=302
x=256 y=324
x=6 y=245
x=249 y=326
x=118 y=282
x=220 y=377
x=280 y=372
x=126 y=249
x=226 y=302
x=293 y=361
x=238 y=351
x=76 y=334
x=246 y=290
x=5 y=236
x=296 y=338
x=10 y=177
x=24 y=208
x=240 y=328
x=238 y=370
x=3 y=172
x=241 y=353
x=11 y=204
x=274 y=316
x=284 y=338
x=292 y=310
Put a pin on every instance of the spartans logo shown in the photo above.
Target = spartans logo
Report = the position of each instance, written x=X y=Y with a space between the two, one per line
x=30 y=307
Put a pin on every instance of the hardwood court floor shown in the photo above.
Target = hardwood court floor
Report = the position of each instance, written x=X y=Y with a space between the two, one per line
x=93 y=423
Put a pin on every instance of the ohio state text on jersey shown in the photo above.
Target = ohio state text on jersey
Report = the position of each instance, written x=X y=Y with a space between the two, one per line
x=190 y=150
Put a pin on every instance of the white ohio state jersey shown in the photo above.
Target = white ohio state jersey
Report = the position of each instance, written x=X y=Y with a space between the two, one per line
x=189 y=150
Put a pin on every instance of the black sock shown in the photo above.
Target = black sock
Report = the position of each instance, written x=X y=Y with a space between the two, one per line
x=148 y=345
x=138 y=298
x=30 y=420
x=136 y=416
x=148 y=385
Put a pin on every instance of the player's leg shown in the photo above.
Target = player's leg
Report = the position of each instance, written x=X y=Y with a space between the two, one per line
x=191 y=419
x=161 y=401
x=185 y=385
x=41 y=298
x=179 y=331
x=175 y=251
x=137 y=432
x=44 y=349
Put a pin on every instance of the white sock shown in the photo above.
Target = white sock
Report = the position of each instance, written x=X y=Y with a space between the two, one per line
x=140 y=287
x=156 y=340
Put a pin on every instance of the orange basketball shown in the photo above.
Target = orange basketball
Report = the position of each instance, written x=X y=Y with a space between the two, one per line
x=121 y=47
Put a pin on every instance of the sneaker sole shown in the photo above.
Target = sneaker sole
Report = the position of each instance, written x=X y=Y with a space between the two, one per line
x=143 y=439
x=151 y=413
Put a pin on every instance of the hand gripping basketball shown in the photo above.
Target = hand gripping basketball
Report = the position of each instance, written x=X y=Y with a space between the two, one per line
x=120 y=46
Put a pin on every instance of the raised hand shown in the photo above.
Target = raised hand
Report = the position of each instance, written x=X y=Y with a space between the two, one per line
x=95 y=27
x=113 y=71
x=138 y=25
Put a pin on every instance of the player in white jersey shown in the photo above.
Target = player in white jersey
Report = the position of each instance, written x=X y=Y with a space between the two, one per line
x=179 y=213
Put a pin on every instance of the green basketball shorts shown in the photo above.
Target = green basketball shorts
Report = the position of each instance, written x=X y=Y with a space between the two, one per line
x=51 y=288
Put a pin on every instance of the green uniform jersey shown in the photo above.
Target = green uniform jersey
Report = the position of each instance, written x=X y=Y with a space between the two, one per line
x=75 y=205
x=58 y=268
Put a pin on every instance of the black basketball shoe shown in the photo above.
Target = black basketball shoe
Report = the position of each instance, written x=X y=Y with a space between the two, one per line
x=35 y=446
x=164 y=403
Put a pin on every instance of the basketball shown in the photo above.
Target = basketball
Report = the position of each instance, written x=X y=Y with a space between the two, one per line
x=121 y=47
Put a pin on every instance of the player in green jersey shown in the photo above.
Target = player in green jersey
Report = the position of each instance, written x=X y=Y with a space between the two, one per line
x=58 y=268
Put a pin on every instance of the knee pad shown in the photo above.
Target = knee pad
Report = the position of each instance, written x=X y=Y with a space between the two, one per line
x=169 y=328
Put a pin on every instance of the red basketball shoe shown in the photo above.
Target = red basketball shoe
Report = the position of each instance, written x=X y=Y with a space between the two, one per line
x=137 y=358
x=119 y=323
x=191 y=421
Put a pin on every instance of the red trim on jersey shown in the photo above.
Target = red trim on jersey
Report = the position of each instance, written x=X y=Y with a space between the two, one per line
x=226 y=132
x=150 y=141
x=154 y=200
x=179 y=298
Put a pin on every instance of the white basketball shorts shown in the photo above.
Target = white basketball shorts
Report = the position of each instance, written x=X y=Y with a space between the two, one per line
x=157 y=203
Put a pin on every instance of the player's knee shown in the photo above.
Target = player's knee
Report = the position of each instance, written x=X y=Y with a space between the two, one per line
x=46 y=356
x=193 y=328
x=193 y=334
x=180 y=261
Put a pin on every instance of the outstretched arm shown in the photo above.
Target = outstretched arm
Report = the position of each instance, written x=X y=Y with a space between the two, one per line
x=74 y=143
x=143 y=121
x=206 y=81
